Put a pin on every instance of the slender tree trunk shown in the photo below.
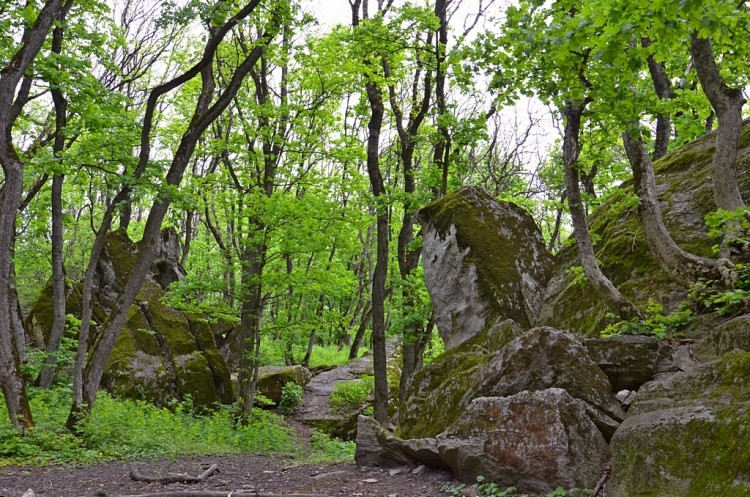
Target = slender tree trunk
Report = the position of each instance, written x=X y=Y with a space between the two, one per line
x=58 y=272
x=250 y=317
x=727 y=103
x=33 y=38
x=359 y=337
x=663 y=88
x=602 y=285
x=681 y=266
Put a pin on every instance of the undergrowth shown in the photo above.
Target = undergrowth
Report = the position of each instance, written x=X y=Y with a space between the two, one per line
x=128 y=430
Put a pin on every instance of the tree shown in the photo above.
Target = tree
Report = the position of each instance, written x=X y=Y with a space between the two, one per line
x=207 y=109
x=11 y=104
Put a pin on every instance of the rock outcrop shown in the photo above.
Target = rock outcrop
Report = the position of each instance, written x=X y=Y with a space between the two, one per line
x=685 y=193
x=687 y=434
x=162 y=354
x=533 y=440
x=484 y=261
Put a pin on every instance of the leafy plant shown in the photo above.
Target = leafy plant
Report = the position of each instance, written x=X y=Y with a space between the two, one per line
x=291 y=396
x=485 y=488
x=655 y=323
x=352 y=395
x=713 y=296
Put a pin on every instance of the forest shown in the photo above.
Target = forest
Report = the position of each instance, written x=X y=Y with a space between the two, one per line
x=290 y=155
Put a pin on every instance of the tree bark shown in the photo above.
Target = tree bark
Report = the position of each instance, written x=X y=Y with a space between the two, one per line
x=58 y=272
x=681 y=266
x=33 y=38
x=663 y=88
x=604 y=288
x=727 y=103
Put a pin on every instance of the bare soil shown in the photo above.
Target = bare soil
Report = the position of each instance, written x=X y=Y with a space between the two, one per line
x=245 y=473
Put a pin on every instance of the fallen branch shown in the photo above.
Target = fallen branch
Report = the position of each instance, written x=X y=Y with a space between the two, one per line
x=601 y=487
x=204 y=493
x=181 y=478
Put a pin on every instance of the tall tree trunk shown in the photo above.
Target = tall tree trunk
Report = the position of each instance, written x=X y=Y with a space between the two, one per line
x=33 y=38
x=58 y=272
x=727 y=103
x=374 y=126
x=681 y=266
x=253 y=261
x=441 y=155
x=573 y=112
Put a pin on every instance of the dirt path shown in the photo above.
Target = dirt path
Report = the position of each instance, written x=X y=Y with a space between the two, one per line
x=247 y=473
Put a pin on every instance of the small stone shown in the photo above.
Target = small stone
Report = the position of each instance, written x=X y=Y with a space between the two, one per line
x=394 y=471
x=622 y=395
x=29 y=493
x=370 y=480
x=419 y=470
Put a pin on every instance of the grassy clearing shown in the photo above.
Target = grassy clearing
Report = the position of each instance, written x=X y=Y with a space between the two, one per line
x=127 y=430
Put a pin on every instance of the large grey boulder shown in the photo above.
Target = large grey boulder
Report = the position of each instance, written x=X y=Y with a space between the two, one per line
x=688 y=434
x=434 y=399
x=547 y=358
x=376 y=446
x=534 y=441
x=484 y=260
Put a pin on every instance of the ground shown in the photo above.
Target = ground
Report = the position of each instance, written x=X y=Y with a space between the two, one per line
x=246 y=473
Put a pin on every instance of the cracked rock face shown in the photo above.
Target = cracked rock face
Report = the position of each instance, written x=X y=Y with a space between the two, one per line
x=484 y=261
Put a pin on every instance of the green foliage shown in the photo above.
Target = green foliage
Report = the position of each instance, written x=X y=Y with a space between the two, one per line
x=579 y=277
x=655 y=323
x=352 y=395
x=291 y=396
x=732 y=224
x=713 y=296
x=485 y=488
x=329 y=450
x=124 y=430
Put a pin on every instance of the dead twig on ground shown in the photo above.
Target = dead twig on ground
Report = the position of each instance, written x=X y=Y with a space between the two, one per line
x=206 y=493
x=180 y=478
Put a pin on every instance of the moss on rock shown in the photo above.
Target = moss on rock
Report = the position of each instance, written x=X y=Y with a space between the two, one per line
x=688 y=435
x=434 y=399
x=684 y=187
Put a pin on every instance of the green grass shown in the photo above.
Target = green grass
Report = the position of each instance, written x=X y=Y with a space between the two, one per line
x=127 y=430
x=272 y=354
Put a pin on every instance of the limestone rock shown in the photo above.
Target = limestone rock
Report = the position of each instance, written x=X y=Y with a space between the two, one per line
x=535 y=441
x=729 y=336
x=162 y=354
x=629 y=361
x=434 y=399
x=687 y=434
x=376 y=446
x=271 y=379
x=484 y=260
x=547 y=358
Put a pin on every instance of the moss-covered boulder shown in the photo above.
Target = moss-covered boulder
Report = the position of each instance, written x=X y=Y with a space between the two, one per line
x=162 y=354
x=434 y=400
x=271 y=379
x=684 y=188
x=534 y=441
x=687 y=435
x=484 y=260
